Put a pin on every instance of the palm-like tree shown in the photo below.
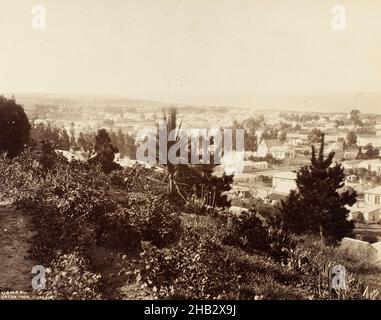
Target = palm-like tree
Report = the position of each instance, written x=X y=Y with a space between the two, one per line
x=183 y=178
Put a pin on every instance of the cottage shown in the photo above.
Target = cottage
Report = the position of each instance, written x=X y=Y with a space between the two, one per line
x=284 y=182
x=238 y=192
x=255 y=165
x=373 y=196
x=374 y=140
x=275 y=198
x=371 y=165
x=296 y=139
x=377 y=246
x=351 y=153
x=275 y=148
x=369 y=210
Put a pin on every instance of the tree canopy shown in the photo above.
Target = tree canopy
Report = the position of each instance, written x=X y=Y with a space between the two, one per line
x=319 y=204
x=15 y=127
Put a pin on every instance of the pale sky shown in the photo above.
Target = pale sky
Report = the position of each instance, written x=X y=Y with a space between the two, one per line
x=194 y=51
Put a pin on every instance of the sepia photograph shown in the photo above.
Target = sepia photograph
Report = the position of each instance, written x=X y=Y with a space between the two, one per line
x=213 y=151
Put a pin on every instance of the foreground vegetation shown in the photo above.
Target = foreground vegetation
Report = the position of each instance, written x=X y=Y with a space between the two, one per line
x=121 y=236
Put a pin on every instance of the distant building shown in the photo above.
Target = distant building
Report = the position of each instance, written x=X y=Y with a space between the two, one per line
x=255 y=165
x=369 y=210
x=351 y=164
x=351 y=153
x=284 y=182
x=297 y=139
x=238 y=194
x=275 y=148
x=275 y=198
x=72 y=155
x=371 y=165
x=374 y=140
x=373 y=196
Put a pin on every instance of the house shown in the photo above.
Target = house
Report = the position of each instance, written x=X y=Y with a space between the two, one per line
x=238 y=194
x=371 y=165
x=265 y=146
x=275 y=148
x=336 y=145
x=369 y=210
x=351 y=164
x=255 y=165
x=374 y=140
x=365 y=213
x=377 y=246
x=284 y=182
x=296 y=139
x=373 y=196
x=275 y=198
x=71 y=155
x=351 y=153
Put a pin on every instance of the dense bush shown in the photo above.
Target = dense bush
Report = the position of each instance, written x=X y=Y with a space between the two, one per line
x=15 y=128
x=71 y=279
x=156 y=219
x=116 y=231
x=195 y=268
x=247 y=231
x=137 y=179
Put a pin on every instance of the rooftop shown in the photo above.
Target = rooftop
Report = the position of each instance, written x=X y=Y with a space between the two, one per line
x=285 y=175
x=376 y=190
x=273 y=143
x=276 y=196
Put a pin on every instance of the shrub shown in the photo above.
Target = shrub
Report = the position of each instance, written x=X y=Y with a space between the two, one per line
x=115 y=231
x=247 y=232
x=194 y=269
x=156 y=219
x=15 y=128
x=71 y=279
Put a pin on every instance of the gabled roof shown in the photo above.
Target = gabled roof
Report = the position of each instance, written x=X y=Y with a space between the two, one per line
x=272 y=143
x=352 y=149
x=276 y=196
x=285 y=175
x=376 y=190
x=377 y=246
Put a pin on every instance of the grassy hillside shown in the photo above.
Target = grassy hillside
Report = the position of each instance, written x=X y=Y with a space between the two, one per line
x=120 y=236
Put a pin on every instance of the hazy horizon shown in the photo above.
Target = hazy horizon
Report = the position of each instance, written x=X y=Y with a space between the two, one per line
x=252 y=53
x=299 y=103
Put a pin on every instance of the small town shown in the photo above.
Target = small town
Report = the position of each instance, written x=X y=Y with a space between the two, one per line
x=278 y=144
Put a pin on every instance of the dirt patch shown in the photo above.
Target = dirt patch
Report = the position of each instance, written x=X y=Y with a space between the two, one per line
x=15 y=265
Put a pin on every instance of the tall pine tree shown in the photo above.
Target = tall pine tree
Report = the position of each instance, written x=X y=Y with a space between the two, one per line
x=319 y=204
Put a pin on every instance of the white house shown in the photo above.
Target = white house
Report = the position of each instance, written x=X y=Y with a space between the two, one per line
x=371 y=165
x=284 y=182
x=369 y=210
x=363 y=140
x=275 y=148
x=255 y=165
x=373 y=196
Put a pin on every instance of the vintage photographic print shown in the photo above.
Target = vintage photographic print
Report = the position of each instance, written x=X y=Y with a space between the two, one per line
x=198 y=150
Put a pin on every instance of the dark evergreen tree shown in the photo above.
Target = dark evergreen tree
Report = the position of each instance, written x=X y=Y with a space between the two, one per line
x=351 y=139
x=319 y=205
x=14 y=127
x=105 y=152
